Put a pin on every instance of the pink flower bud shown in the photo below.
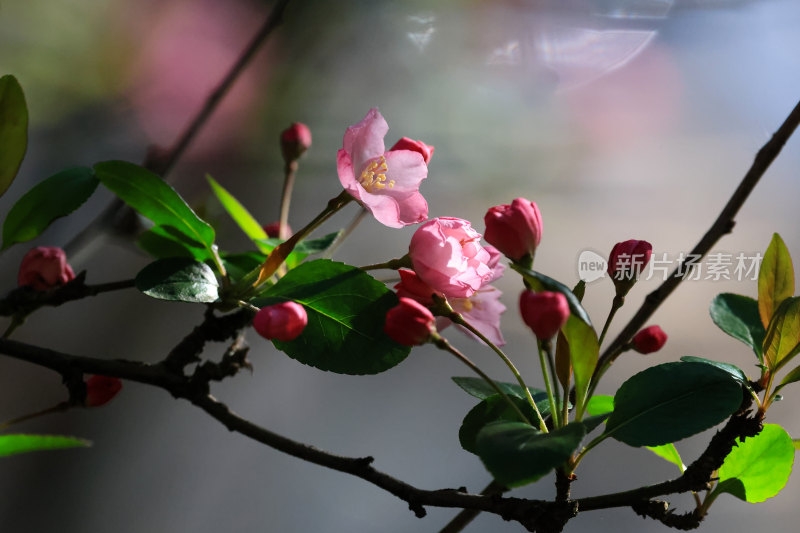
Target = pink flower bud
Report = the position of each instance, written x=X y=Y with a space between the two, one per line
x=284 y=321
x=544 y=312
x=516 y=229
x=447 y=255
x=45 y=268
x=273 y=230
x=423 y=149
x=626 y=262
x=100 y=390
x=649 y=340
x=295 y=140
x=409 y=323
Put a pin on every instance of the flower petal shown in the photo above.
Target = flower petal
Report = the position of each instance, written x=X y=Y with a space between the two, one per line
x=364 y=140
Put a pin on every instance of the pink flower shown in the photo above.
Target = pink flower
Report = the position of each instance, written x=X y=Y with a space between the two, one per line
x=649 y=340
x=295 y=140
x=44 y=268
x=515 y=229
x=626 y=261
x=100 y=390
x=447 y=255
x=385 y=183
x=482 y=310
x=284 y=321
x=544 y=312
x=425 y=150
x=409 y=323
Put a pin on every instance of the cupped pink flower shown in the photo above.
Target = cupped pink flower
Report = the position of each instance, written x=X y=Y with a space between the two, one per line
x=100 y=390
x=447 y=255
x=516 y=228
x=284 y=321
x=648 y=340
x=544 y=312
x=425 y=150
x=44 y=268
x=385 y=183
x=409 y=323
x=411 y=286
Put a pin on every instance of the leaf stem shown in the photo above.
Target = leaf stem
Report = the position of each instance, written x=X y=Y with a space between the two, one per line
x=289 y=172
x=362 y=213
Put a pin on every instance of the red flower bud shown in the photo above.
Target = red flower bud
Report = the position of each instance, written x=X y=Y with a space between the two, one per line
x=100 y=390
x=409 y=323
x=273 y=230
x=44 y=268
x=544 y=312
x=295 y=140
x=284 y=321
x=649 y=340
x=405 y=143
x=516 y=229
x=626 y=262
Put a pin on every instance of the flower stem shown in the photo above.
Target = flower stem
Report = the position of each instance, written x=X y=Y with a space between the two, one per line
x=392 y=264
x=458 y=319
x=546 y=352
x=442 y=343
x=362 y=213
x=289 y=172
x=618 y=302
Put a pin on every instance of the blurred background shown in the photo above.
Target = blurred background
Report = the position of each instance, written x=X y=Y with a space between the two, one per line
x=620 y=118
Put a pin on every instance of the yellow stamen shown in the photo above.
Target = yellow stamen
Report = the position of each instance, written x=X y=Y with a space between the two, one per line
x=373 y=178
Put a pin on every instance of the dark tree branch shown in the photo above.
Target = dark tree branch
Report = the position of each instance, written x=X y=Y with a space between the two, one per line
x=25 y=300
x=722 y=225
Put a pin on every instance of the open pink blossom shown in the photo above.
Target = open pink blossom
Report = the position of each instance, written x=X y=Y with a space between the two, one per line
x=482 y=309
x=385 y=183
x=447 y=255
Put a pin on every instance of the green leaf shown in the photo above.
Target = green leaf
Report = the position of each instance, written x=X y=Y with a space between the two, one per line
x=495 y=409
x=672 y=401
x=600 y=404
x=775 y=279
x=735 y=372
x=13 y=130
x=738 y=316
x=239 y=265
x=791 y=377
x=152 y=197
x=346 y=312
x=758 y=467
x=13 y=444
x=584 y=351
x=305 y=247
x=478 y=388
x=162 y=242
x=55 y=197
x=782 y=341
x=517 y=454
x=179 y=279
x=539 y=282
x=669 y=453
x=238 y=212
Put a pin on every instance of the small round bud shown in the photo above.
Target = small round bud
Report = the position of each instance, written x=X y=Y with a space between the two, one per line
x=544 y=312
x=44 y=268
x=423 y=149
x=284 y=321
x=515 y=229
x=295 y=140
x=409 y=323
x=100 y=390
x=626 y=262
x=648 y=340
x=273 y=230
